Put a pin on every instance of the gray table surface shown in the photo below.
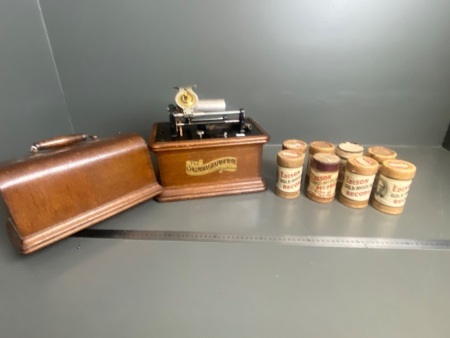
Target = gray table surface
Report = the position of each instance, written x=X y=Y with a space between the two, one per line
x=91 y=287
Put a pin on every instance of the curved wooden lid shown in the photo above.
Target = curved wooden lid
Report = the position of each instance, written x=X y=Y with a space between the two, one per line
x=362 y=165
x=398 y=169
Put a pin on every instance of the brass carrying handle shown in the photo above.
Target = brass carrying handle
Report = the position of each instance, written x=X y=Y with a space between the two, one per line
x=60 y=141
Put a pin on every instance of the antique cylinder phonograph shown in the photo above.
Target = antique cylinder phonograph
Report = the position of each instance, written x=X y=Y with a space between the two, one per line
x=205 y=150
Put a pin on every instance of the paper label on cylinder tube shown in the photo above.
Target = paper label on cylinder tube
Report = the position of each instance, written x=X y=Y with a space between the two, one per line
x=390 y=192
x=357 y=187
x=322 y=184
x=289 y=179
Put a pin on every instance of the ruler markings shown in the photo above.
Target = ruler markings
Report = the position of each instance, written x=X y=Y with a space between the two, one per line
x=312 y=241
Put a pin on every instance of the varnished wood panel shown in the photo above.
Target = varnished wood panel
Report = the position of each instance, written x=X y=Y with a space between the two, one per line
x=243 y=175
x=57 y=192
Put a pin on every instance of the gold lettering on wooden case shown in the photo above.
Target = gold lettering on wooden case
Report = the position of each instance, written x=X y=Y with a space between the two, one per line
x=198 y=168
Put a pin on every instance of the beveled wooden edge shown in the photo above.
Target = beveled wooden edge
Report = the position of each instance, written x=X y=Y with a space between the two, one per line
x=181 y=193
x=206 y=143
x=29 y=244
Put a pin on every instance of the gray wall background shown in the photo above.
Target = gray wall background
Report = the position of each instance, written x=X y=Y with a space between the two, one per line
x=368 y=71
x=32 y=104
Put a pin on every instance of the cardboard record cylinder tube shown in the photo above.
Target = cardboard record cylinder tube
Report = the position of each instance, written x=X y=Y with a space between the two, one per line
x=345 y=150
x=380 y=153
x=323 y=177
x=289 y=173
x=296 y=145
x=359 y=176
x=318 y=147
x=393 y=186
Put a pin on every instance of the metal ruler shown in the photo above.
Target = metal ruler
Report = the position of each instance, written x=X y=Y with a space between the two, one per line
x=312 y=241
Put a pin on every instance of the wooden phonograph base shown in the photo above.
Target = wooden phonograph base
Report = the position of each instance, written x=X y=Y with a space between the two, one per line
x=211 y=165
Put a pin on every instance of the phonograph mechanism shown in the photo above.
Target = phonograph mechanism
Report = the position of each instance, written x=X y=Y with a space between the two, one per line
x=203 y=118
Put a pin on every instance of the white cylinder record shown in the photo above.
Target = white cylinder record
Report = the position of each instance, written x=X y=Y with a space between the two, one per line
x=210 y=105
